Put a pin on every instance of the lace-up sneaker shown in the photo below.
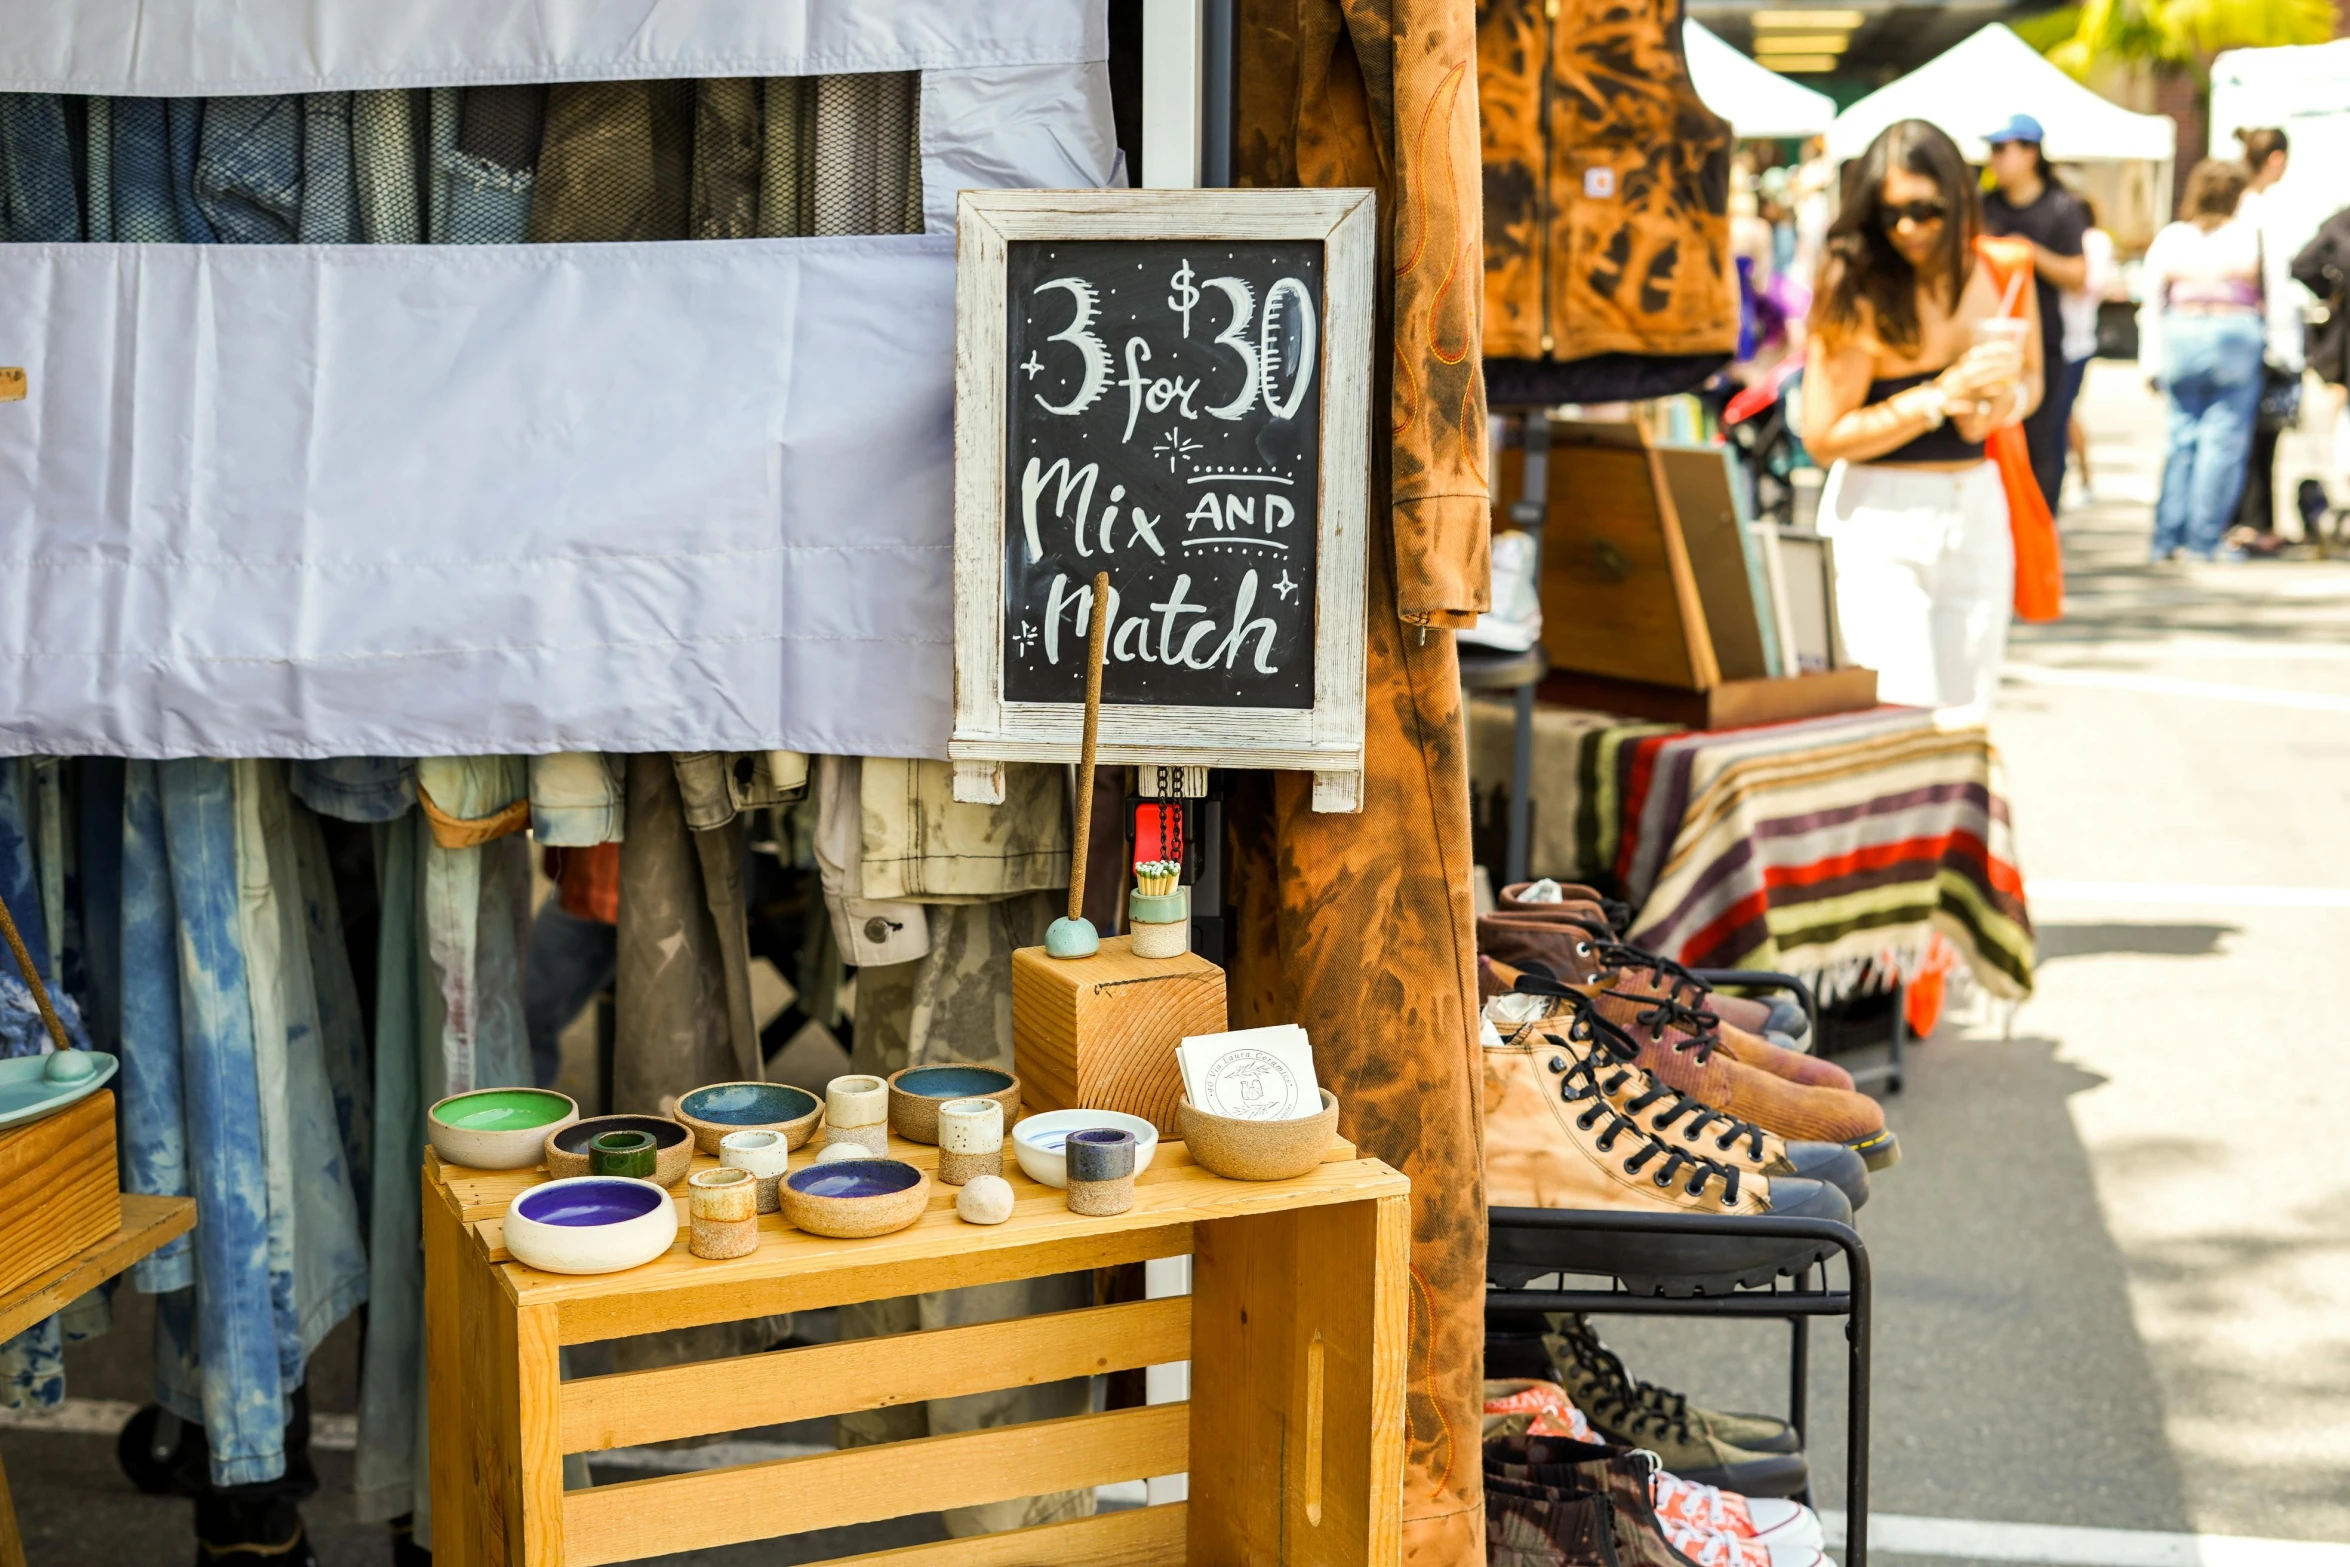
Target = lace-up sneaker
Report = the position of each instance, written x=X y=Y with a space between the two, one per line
x=1643 y=1537
x=1684 y=1438
x=1598 y=1048
x=1771 y=1520
x=1684 y=1050
x=1708 y=1549
x=1553 y=1140
x=1573 y=1341
x=1530 y=1406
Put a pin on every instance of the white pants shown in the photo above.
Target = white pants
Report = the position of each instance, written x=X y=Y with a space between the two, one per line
x=1925 y=580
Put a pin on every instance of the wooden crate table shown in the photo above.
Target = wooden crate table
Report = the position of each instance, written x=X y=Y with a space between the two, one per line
x=1292 y=1438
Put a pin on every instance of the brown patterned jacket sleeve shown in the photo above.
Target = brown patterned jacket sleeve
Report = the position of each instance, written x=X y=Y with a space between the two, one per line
x=1383 y=93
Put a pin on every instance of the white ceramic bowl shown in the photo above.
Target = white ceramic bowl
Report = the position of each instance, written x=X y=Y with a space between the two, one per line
x=590 y=1224
x=1037 y=1140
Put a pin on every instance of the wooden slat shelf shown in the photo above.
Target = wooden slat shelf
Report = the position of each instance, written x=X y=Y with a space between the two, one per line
x=147 y=1223
x=1296 y=1332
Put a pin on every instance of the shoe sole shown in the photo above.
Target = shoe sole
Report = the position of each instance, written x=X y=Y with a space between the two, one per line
x=1879 y=1151
x=1780 y=1475
x=1674 y=1266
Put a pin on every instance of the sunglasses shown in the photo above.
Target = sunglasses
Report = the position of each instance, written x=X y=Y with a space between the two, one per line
x=1921 y=213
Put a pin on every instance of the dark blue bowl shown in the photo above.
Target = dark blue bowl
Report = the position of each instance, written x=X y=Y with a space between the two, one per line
x=748 y=1104
x=591 y=1202
x=954 y=1082
x=854 y=1178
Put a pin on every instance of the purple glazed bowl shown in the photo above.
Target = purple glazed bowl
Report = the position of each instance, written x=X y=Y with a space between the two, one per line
x=852 y=1198
x=590 y=1224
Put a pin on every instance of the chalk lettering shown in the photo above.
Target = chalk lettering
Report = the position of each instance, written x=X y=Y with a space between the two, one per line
x=1034 y=478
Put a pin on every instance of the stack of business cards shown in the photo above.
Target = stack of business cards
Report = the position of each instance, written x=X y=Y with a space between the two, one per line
x=1251 y=1074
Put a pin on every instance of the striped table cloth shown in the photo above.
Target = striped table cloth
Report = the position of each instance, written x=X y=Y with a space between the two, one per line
x=1832 y=848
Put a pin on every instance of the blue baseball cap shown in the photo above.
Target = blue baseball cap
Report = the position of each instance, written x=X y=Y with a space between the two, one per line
x=2021 y=127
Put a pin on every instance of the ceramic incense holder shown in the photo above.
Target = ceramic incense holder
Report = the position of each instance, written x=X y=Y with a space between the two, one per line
x=632 y=1154
x=1257 y=1150
x=1160 y=926
x=498 y=1128
x=1101 y=1171
x=1039 y=1140
x=856 y=1111
x=916 y=1093
x=853 y=1198
x=673 y=1146
x=595 y=1224
x=721 y=1108
x=723 y=1206
x=765 y=1154
x=970 y=1140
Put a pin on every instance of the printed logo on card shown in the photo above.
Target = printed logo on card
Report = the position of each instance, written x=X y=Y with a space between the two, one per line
x=1253 y=1085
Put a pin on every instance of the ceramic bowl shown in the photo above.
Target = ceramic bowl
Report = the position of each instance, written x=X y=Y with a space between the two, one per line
x=1257 y=1150
x=720 y=1108
x=1037 y=1141
x=851 y=1198
x=498 y=1128
x=567 y=1148
x=916 y=1093
x=595 y=1224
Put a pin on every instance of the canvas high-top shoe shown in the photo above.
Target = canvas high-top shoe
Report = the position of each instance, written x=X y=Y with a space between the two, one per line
x=1603 y=1053
x=1553 y=1140
x=1684 y=1053
x=1573 y=1342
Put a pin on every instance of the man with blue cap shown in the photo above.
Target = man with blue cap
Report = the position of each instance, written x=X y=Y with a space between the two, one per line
x=2029 y=204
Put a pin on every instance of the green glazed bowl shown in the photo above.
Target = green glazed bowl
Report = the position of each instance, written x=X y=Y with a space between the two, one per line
x=497 y=1128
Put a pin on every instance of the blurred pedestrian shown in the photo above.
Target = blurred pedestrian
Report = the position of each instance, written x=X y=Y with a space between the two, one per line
x=2080 y=306
x=2030 y=203
x=1899 y=392
x=2266 y=153
x=2200 y=339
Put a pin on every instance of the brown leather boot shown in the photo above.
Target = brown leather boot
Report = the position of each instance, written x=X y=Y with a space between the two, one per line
x=1685 y=1051
x=1602 y=1053
x=1552 y=1140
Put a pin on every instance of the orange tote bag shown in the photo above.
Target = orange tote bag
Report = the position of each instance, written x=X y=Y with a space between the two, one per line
x=2039 y=564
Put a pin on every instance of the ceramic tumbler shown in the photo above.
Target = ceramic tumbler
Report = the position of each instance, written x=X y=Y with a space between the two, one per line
x=1159 y=926
x=724 y=1212
x=856 y=1110
x=765 y=1154
x=970 y=1139
x=1101 y=1171
x=623 y=1153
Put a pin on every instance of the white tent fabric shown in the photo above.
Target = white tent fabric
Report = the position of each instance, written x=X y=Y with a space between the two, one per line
x=1756 y=100
x=1974 y=86
x=2305 y=92
x=447 y=500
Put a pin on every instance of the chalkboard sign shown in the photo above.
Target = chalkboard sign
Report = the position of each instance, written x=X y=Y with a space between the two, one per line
x=1170 y=386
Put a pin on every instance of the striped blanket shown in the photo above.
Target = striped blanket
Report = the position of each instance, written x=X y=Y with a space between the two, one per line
x=1833 y=848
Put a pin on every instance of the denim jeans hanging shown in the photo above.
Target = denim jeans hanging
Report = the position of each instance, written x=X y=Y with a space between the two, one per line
x=330 y=192
x=37 y=200
x=98 y=162
x=184 y=124
x=249 y=169
x=383 y=161
x=22 y=1033
x=154 y=1135
x=144 y=212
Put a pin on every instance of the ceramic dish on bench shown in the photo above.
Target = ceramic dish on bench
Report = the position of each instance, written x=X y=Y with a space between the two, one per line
x=594 y=1224
x=853 y=1198
x=916 y=1093
x=713 y=1111
x=497 y=1128
x=673 y=1146
x=1257 y=1150
x=1037 y=1142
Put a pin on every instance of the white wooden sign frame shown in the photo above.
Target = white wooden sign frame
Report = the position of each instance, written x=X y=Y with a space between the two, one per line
x=1326 y=739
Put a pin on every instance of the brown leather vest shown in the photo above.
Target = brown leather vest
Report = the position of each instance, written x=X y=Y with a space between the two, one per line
x=1607 y=188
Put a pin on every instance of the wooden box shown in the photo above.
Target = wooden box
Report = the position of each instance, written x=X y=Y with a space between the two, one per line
x=1292 y=1438
x=1100 y=1033
x=58 y=1192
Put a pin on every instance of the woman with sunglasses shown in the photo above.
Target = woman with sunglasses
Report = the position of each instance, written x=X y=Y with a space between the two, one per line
x=1898 y=397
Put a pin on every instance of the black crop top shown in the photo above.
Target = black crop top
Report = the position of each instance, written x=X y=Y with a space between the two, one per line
x=1943 y=443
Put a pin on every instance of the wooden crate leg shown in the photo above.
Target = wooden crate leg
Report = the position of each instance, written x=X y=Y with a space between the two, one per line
x=514 y=1509
x=446 y=1256
x=1299 y=1358
x=11 y=1546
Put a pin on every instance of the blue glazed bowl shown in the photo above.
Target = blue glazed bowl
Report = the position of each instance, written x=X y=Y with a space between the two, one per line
x=720 y=1108
x=916 y=1093
x=852 y=1198
x=592 y=1224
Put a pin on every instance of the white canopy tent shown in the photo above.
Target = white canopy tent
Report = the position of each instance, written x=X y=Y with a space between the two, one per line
x=1756 y=100
x=1974 y=86
x=2304 y=92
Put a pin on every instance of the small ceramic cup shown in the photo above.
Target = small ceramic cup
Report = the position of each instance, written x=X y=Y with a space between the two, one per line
x=1101 y=1171
x=631 y=1154
x=1159 y=925
x=765 y=1154
x=724 y=1208
x=856 y=1110
x=970 y=1139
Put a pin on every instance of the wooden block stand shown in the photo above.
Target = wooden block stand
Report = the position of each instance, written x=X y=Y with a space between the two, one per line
x=1293 y=1437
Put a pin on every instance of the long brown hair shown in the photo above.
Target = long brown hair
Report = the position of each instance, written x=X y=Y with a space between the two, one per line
x=1859 y=265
